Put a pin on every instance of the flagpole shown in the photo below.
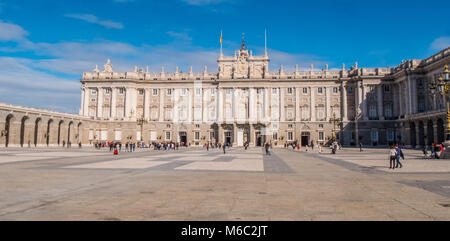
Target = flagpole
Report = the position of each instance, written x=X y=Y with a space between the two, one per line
x=221 y=52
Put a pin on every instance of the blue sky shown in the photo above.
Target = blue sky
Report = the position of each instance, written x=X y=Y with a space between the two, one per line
x=45 y=45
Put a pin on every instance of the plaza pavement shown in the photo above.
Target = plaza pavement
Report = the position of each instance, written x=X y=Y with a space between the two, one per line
x=193 y=184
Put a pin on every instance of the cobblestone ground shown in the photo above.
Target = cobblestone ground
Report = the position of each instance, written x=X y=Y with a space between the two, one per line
x=194 y=184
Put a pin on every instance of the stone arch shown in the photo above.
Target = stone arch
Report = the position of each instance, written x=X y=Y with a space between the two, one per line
x=47 y=135
x=7 y=132
x=440 y=131
x=69 y=138
x=23 y=129
x=421 y=134
x=430 y=132
x=59 y=131
x=36 y=131
x=412 y=129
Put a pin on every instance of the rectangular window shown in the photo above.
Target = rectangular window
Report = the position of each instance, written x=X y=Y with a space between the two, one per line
x=321 y=136
x=372 y=88
x=275 y=136
x=121 y=90
x=167 y=135
x=387 y=88
x=155 y=91
x=141 y=92
x=212 y=135
x=335 y=90
x=290 y=136
x=169 y=91
x=305 y=90
x=198 y=91
x=289 y=90
x=93 y=91
x=93 y=100
x=213 y=91
x=228 y=91
x=320 y=90
x=107 y=91
x=350 y=90
x=183 y=92
x=274 y=91
x=197 y=136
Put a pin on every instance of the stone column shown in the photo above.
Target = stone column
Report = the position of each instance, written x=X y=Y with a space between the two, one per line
x=191 y=95
x=312 y=104
x=328 y=103
x=100 y=102
x=220 y=134
x=252 y=135
x=205 y=96
x=414 y=97
x=282 y=108
x=252 y=106
x=82 y=102
x=380 y=101
x=235 y=133
x=400 y=100
x=147 y=104
x=86 y=101
x=113 y=102
x=133 y=103
x=161 y=105
x=235 y=104
x=266 y=105
x=344 y=102
x=364 y=102
x=220 y=106
x=297 y=105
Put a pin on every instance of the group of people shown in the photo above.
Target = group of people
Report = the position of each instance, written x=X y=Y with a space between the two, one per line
x=434 y=151
x=394 y=157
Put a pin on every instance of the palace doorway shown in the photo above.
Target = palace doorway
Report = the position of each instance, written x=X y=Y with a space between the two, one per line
x=183 y=138
x=228 y=137
x=305 y=138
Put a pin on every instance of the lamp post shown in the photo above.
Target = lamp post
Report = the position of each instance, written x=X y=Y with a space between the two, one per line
x=141 y=121
x=334 y=120
x=442 y=88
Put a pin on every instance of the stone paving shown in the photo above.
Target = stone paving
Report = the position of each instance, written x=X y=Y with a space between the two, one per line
x=193 y=184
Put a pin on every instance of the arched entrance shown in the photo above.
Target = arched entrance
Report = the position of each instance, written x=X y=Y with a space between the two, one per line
x=412 y=131
x=69 y=139
x=59 y=131
x=36 y=131
x=305 y=138
x=440 y=131
x=47 y=135
x=8 y=128
x=22 y=130
x=430 y=132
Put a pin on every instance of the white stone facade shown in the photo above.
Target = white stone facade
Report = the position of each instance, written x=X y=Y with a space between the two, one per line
x=245 y=102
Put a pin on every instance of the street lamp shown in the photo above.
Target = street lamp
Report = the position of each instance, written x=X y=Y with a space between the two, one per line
x=443 y=87
x=334 y=120
x=141 y=121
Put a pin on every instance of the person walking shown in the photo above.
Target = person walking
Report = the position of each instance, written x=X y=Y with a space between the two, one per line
x=360 y=147
x=399 y=153
x=267 y=146
x=224 y=147
x=392 y=155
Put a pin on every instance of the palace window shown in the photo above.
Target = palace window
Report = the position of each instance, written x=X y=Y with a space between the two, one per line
x=107 y=91
x=321 y=126
x=390 y=135
x=289 y=90
x=320 y=113
x=321 y=136
x=387 y=88
x=183 y=92
x=121 y=90
x=93 y=91
x=290 y=125
x=169 y=91
x=388 y=110
x=155 y=91
x=167 y=135
x=350 y=90
x=228 y=91
x=198 y=91
x=290 y=136
x=274 y=91
x=197 y=136
x=213 y=91
x=372 y=88
x=93 y=100
x=335 y=90
x=275 y=135
x=305 y=90
x=212 y=135
x=372 y=111
x=320 y=90
x=141 y=92
x=197 y=126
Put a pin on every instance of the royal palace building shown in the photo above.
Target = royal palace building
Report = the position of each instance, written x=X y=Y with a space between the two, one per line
x=245 y=102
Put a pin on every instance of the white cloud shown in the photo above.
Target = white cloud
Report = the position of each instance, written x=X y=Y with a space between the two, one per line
x=178 y=35
x=440 y=43
x=205 y=2
x=94 y=19
x=11 y=32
